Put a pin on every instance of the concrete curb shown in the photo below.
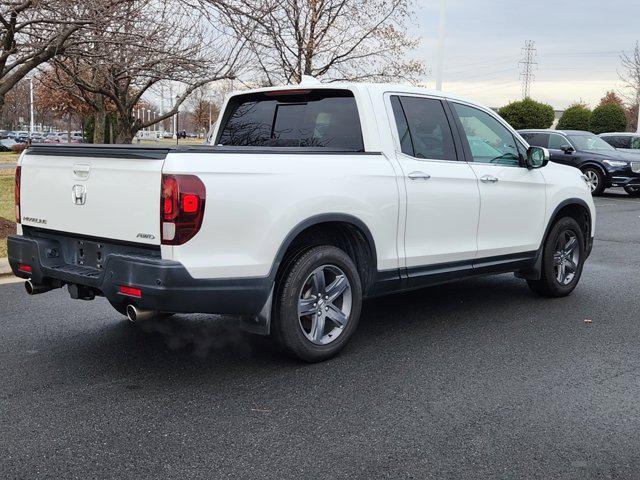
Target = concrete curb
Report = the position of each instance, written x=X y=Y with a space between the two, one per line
x=5 y=269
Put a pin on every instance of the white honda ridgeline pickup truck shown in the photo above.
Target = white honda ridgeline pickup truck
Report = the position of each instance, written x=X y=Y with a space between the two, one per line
x=312 y=198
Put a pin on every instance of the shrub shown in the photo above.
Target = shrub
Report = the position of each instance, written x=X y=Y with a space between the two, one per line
x=527 y=113
x=576 y=117
x=18 y=147
x=608 y=118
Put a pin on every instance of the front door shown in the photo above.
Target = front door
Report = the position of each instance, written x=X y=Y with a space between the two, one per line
x=512 y=197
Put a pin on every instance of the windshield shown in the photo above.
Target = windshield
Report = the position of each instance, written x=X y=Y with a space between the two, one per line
x=589 y=142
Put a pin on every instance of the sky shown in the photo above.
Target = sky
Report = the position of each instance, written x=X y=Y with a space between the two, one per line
x=578 y=45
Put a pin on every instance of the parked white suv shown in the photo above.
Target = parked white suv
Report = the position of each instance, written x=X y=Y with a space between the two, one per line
x=313 y=198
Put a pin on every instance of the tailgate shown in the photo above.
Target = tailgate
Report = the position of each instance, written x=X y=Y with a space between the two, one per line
x=110 y=192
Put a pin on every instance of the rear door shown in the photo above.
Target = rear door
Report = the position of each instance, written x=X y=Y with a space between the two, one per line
x=104 y=192
x=512 y=197
x=443 y=201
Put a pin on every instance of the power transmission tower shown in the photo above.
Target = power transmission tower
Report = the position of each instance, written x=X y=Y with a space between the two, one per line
x=528 y=65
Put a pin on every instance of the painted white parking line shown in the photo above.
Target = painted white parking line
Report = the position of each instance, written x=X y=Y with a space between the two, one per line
x=10 y=279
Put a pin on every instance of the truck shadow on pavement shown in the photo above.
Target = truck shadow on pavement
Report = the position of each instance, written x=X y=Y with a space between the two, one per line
x=187 y=346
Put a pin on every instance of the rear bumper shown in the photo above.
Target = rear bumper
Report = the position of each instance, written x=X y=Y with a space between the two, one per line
x=165 y=285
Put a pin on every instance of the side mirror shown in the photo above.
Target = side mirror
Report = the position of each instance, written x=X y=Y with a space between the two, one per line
x=537 y=157
x=568 y=149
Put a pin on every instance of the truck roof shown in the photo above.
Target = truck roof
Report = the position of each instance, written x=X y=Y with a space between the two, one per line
x=376 y=88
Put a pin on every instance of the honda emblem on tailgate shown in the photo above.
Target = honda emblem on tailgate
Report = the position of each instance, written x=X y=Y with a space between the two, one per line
x=79 y=196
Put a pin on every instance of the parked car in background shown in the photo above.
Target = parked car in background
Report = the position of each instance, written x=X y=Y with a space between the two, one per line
x=21 y=137
x=56 y=137
x=602 y=165
x=6 y=144
x=37 y=138
x=77 y=137
x=624 y=141
x=312 y=198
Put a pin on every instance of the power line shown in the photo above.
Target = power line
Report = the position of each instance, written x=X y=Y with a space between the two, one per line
x=528 y=65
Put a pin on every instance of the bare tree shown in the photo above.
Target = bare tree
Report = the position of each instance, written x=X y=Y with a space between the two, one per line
x=333 y=39
x=143 y=43
x=32 y=32
x=630 y=78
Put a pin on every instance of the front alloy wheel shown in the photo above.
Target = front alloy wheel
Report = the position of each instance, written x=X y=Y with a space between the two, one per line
x=595 y=180
x=566 y=257
x=562 y=259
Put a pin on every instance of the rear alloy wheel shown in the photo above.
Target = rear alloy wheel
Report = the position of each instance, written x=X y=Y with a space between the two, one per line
x=562 y=260
x=633 y=191
x=595 y=179
x=318 y=306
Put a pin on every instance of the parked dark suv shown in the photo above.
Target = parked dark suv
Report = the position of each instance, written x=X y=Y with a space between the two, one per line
x=603 y=165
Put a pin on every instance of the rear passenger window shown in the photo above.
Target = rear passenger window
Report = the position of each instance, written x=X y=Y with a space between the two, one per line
x=403 y=128
x=423 y=128
x=307 y=118
x=536 y=139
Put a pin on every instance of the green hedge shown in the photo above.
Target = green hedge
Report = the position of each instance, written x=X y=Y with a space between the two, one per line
x=608 y=117
x=527 y=113
x=576 y=117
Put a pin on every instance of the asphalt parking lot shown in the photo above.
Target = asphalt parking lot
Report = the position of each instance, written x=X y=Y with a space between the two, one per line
x=478 y=379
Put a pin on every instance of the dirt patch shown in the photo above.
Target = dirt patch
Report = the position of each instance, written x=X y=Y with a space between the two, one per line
x=7 y=228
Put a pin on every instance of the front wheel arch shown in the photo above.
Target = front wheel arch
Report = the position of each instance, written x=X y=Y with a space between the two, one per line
x=572 y=207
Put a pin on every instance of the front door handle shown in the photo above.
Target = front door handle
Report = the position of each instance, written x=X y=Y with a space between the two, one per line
x=419 y=176
x=488 y=179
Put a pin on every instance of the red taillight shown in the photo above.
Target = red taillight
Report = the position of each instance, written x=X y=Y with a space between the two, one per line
x=190 y=203
x=130 y=291
x=24 y=268
x=181 y=208
x=17 y=193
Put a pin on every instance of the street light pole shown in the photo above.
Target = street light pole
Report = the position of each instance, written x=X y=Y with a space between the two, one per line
x=31 y=126
x=440 y=54
x=638 y=127
x=176 y=120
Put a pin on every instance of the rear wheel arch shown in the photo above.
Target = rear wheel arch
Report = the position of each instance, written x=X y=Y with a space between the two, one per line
x=344 y=231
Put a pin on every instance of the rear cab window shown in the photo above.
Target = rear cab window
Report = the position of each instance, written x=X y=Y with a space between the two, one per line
x=315 y=119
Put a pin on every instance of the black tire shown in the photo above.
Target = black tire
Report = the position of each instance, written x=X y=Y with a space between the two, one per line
x=287 y=327
x=548 y=284
x=633 y=191
x=597 y=174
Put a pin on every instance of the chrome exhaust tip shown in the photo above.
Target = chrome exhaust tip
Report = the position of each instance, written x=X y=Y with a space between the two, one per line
x=135 y=314
x=35 y=289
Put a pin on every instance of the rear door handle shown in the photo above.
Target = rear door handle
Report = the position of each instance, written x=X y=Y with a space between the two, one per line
x=419 y=176
x=488 y=179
